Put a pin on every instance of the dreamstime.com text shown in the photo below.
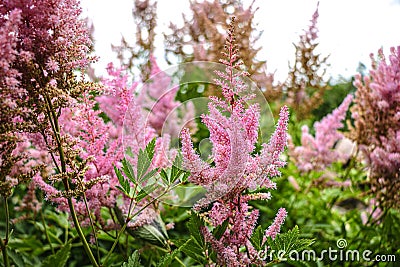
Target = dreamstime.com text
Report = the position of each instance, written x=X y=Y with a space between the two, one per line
x=339 y=254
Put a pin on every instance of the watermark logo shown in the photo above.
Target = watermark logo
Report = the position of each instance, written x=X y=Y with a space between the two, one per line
x=340 y=253
x=341 y=243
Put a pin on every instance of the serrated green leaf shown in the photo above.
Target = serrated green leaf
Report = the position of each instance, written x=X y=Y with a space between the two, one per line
x=257 y=238
x=194 y=225
x=16 y=258
x=133 y=260
x=129 y=152
x=165 y=177
x=192 y=249
x=220 y=230
x=185 y=177
x=128 y=170
x=121 y=189
x=148 y=175
x=289 y=241
x=59 y=259
x=144 y=159
x=166 y=260
x=150 y=148
x=120 y=177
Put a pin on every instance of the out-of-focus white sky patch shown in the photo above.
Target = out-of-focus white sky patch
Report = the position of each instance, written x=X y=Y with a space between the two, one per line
x=348 y=30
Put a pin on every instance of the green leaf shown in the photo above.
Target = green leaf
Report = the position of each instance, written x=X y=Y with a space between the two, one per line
x=150 y=148
x=148 y=175
x=120 y=177
x=194 y=225
x=288 y=242
x=144 y=159
x=257 y=238
x=165 y=177
x=133 y=260
x=128 y=170
x=220 y=229
x=59 y=259
x=125 y=186
x=154 y=233
x=166 y=260
x=192 y=249
x=16 y=258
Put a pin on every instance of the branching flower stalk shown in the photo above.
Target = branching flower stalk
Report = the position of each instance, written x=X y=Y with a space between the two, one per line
x=203 y=32
x=317 y=152
x=306 y=84
x=42 y=51
x=237 y=173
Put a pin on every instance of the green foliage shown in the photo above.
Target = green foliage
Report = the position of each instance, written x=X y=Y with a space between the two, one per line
x=333 y=98
x=195 y=247
x=287 y=242
x=257 y=238
x=60 y=258
x=133 y=261
x=143 y=174
x=154 y=233
x=167 y=259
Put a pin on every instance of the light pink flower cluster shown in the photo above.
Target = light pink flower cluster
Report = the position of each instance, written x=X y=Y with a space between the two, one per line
x=236 y=170
x=100 y=143
x=317 y=153
x=157 y=96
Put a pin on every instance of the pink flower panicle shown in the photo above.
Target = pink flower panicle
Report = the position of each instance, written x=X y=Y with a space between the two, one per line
x=157 y=96
x=236 y=170
x=275 y=228
x=317 y=153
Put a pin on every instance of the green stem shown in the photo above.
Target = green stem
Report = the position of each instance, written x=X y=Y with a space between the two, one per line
x=92 y=225
x=3 y=243
x=129 y=218
x=46 y=233
x=180 y=262
x=81 y=235
x=53 y=118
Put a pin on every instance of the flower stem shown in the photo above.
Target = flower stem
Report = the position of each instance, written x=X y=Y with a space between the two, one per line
x=3 y=243
x=80 y=233
x=53 y=119
x=46 y=233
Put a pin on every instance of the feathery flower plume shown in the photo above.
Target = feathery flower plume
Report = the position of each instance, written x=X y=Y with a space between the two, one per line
x=235 y=171
x=317 y=153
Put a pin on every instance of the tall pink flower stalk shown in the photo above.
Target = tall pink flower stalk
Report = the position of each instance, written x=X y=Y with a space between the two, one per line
x=317 y=152
x=235 y=172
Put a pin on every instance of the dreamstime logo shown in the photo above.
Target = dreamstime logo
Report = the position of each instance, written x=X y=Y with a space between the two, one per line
x=168 y=117
x=331 y=254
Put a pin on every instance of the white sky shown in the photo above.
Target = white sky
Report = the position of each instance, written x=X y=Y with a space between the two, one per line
x=349 y=30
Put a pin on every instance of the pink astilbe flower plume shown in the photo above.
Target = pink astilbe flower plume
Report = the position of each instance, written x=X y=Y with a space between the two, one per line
x=157 y=97
x=317 y=153
x=235 y=170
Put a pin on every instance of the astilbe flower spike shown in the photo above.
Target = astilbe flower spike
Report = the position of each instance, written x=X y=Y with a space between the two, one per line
x=202 y=32
x=317 y=153
x=236 y=169
x=305 y=84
